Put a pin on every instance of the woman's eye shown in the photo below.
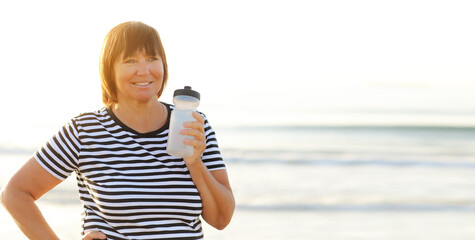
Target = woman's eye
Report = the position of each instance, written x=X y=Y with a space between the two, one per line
x=153 y=59
x=129 y=61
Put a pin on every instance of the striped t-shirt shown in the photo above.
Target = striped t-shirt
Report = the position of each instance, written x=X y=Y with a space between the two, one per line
x=130 y=187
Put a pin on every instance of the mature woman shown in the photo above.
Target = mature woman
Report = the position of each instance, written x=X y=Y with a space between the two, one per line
x=129 y=186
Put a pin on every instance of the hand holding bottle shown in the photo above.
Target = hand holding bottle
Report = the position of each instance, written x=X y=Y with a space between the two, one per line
x=196 y=130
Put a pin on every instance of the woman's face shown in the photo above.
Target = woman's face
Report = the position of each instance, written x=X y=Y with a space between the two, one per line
x=138 y=78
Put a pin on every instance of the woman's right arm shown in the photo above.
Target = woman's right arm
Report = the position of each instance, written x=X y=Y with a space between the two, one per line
x=20 y=194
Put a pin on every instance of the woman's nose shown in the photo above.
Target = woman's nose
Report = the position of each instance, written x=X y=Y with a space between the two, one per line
x=143 y=68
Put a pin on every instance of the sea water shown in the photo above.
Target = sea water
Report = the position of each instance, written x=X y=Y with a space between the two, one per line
x=352 y=182
x=315 y=182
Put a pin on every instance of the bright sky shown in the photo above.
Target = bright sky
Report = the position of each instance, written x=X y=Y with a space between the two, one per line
x=254 y=62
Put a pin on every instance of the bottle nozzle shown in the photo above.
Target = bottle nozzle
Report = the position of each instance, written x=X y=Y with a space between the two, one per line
x=187 y=91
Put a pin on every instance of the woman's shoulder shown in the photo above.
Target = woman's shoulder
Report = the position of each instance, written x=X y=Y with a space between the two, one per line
x=100 y=115
x=168 y=105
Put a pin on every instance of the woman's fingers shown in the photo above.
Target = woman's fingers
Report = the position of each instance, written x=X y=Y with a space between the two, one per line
x=94 y=235
x=197 y=134
x=198 y=124
x=199 y=117
x=196 y=130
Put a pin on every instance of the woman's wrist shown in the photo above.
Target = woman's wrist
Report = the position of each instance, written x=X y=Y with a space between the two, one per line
x=194 y=162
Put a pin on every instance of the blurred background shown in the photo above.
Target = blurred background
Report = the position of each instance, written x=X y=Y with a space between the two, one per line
x=337 y=119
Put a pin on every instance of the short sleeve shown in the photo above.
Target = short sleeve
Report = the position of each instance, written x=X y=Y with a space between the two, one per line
x=211 y=158
x=59 y=156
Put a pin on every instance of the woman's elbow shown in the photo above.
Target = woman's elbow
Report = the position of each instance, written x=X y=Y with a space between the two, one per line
x=4 y=195
x=10 y=196
x=223 y=221
x=222 y=224
x=218 y=221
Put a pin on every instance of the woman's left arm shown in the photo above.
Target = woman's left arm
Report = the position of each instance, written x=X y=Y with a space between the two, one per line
x=213 y=186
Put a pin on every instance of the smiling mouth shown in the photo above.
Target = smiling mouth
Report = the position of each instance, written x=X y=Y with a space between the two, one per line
x=142 y=83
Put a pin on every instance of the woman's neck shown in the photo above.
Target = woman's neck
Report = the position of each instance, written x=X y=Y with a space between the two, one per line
x=142 y=118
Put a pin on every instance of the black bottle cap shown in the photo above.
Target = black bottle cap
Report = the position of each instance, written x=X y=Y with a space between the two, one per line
x=187 y=92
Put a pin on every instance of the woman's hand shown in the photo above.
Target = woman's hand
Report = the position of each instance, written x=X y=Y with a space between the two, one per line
x=92 y=235
x=196 y=130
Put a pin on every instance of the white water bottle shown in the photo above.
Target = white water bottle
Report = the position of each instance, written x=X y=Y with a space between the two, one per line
x=186 y=101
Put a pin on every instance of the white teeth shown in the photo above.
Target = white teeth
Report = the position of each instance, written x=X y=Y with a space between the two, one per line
x=142 y=83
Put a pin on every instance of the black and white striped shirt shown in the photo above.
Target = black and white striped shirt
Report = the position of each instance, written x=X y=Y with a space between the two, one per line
x=130 y=187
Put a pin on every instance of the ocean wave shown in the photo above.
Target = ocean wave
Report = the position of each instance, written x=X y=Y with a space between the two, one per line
x=360 y=207
x=326 y=159
x=16 y=150
x=370 y=128
x=360 y=162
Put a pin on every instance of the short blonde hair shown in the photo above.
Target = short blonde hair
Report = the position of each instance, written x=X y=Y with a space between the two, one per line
x=127 y=38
